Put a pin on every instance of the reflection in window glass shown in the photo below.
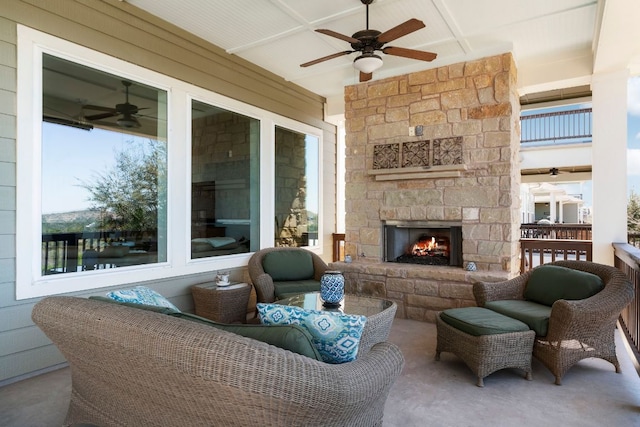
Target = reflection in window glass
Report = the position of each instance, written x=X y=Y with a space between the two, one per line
x=296 y=188
x=104 y=170
x=225 y=210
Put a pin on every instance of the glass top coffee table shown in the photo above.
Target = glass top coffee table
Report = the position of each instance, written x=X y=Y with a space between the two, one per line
x=378 y=311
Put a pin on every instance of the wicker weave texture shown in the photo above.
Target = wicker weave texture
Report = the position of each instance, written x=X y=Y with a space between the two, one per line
x=377 y=328
x=577 y=329
x=134 y=367
x=220 y=304
x=486 y=354
x=265 y=291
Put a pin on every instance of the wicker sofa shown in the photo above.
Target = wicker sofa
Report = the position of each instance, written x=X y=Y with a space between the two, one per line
x=572 y=329
x=137 y=367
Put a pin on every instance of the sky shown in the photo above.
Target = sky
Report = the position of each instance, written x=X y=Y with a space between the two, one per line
x=72 y=156
x=633 y=135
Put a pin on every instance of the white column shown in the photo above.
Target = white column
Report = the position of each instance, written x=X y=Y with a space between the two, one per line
x=552 y=207
x=609 y=163
x=560 y=211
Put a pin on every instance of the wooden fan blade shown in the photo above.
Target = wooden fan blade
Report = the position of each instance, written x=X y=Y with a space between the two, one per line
x=97 y=108
x=326 y=58
x=338 y=36
x=102 y=116
x=365 y=77
x=410 y=53
x=401 y=30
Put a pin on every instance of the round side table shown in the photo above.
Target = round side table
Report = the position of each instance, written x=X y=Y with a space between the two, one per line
x=226 y=304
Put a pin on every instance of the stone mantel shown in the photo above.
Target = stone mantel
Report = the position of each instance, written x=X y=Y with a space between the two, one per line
x=421 y=291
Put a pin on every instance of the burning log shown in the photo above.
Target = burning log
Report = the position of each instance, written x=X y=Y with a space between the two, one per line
x=429 y=246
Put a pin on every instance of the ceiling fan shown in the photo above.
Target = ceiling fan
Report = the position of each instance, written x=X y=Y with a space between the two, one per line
x=127 y=111
x=369 y=41
x=554 y=172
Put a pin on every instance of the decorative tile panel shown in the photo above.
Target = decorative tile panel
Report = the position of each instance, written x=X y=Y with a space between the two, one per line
x=386 y=156
x=415 y=154
x=447 y=151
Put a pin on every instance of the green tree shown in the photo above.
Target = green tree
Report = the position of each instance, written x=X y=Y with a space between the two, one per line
x=633 y=212
x=127 y=194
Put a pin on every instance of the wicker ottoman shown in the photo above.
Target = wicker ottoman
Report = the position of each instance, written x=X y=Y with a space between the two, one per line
x=485 y=340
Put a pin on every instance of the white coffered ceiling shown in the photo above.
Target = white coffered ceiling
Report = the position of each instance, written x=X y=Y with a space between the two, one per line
x=555 y=42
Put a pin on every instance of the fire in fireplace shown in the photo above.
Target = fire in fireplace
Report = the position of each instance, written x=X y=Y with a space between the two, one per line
x=424 y=243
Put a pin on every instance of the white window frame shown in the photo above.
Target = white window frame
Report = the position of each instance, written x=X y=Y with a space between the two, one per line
x=30 y=283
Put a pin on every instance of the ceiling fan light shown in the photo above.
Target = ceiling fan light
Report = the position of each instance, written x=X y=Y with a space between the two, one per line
x=128 y=122
x=367 y=63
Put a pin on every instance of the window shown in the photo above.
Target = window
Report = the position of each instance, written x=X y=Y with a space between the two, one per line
x=296 y=188
x=224 y=181
x=109 y=193
x=104 y=170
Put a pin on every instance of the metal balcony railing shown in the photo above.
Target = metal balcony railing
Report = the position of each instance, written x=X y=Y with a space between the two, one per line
x=557 y=127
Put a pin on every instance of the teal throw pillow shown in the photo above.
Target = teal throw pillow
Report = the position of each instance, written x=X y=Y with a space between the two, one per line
x=284 y=265
x=335 y=335
x=141 y=295
x=154 y=308
x=549 y=283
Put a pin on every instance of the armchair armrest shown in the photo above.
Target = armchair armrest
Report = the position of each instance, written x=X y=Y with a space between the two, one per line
x=578 y=319
x=484 y=292
x=265 y=290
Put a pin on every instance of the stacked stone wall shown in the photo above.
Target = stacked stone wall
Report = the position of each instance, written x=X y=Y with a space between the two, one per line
x=476 y=101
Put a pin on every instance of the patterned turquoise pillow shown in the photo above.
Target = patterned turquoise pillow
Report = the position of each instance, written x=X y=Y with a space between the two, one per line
x=141 y=295
x=335 y=335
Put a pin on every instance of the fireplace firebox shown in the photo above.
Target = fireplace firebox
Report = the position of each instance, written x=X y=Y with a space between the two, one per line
x=423 y=242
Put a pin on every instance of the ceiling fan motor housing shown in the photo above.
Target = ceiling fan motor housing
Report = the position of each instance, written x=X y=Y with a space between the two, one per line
x=368 y=41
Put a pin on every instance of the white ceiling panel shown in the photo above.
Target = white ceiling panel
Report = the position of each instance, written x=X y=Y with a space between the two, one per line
x=475 y=16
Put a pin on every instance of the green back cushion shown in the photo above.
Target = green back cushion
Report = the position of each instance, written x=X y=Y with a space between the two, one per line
x=288 y=265
x=294 y=287
x=478 y=321
x=535 y=315
x=288 y=337
x=549 y=283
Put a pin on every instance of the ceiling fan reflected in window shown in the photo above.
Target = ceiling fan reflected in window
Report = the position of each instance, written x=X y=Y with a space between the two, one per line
x=554 y=172
x=126 y=112
x=368 y=42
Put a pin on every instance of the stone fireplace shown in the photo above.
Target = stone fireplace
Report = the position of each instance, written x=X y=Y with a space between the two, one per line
x=460 y=169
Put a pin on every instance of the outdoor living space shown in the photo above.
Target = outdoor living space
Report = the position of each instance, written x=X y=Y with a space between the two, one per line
x=167 y=145
x=429 y=392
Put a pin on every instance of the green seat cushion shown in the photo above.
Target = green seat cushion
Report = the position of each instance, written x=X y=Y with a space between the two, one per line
x=289 y=288
x=478 y=321
x=285 y=265
x=288 y=337
x=535 y=315
x=549 y=283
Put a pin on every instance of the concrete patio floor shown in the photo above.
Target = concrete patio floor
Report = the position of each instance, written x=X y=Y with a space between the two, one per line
x=428 y=393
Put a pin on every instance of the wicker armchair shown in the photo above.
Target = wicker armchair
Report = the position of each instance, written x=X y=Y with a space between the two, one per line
x=578 y=329
x=140 y=368
x=263 y=283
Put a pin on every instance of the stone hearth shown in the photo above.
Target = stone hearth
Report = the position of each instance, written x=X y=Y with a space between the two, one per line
x=420 y=291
